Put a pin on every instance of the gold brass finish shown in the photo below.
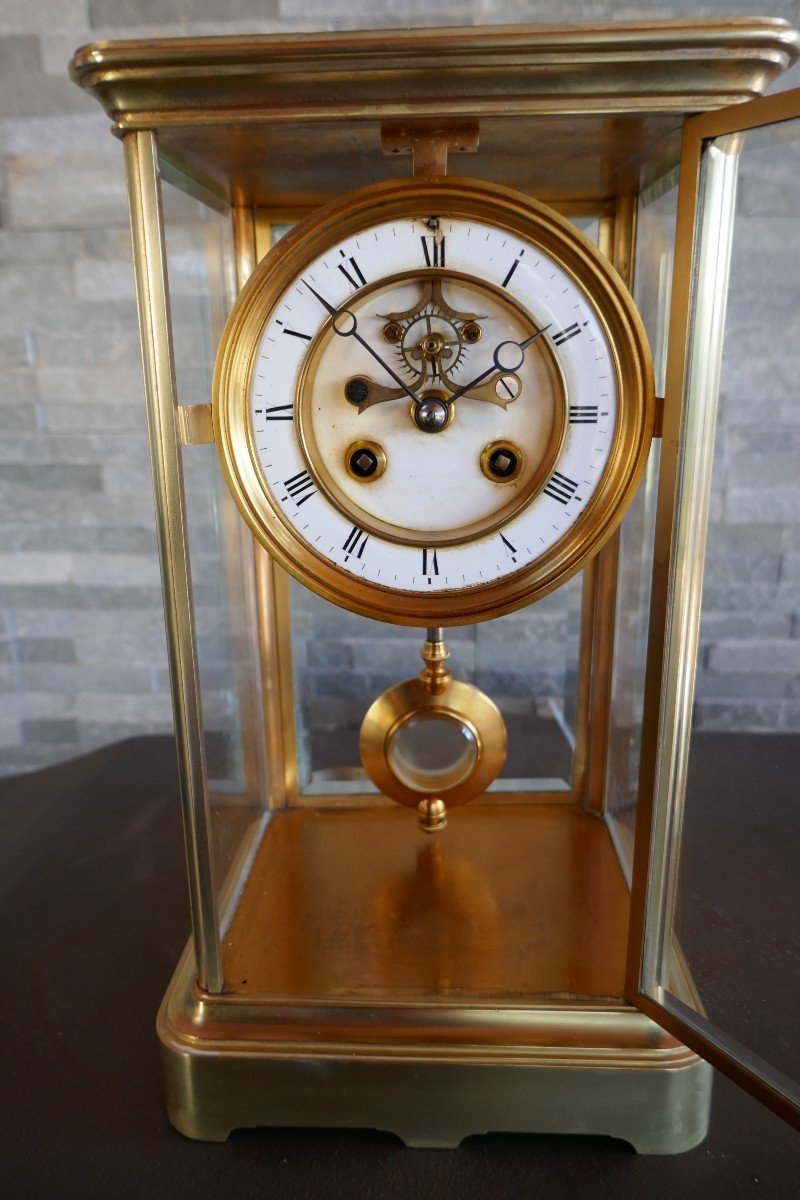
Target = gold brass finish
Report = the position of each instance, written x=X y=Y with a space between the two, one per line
x=367 y=975
x=152 y=297
x=435 y=654
x=428 y=142
x=495 y=448
x=392 y=333
x=433 y=696
x=632 y=436
x=385 y=950
x=606 y=566
x=225 y=106
x=272 y=594
x=371 y=447
x=691 y=65
x=431 y=815
x=195 y=426
x=356 y=905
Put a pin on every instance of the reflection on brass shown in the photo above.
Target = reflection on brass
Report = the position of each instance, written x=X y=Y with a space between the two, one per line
x=431 y=815
x=252 y=239
x=472 y=332
x=543 y=917
x=527 y=69
x=357 y=947
x=443 y=888
x=365 y=461
x=392 y=333
x=603 y=632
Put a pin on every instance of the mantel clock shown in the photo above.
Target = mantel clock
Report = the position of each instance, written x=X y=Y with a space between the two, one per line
x=397 y=408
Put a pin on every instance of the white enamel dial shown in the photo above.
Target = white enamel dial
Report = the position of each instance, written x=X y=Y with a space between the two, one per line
x=433 y=401
x=434 y=518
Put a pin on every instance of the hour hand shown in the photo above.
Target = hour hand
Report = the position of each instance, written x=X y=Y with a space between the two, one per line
x=363 y=392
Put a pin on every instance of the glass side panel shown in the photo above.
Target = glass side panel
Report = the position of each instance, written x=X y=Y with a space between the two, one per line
x=723 y=948
x=201 y=269
x=526 y=662
x=655 y=248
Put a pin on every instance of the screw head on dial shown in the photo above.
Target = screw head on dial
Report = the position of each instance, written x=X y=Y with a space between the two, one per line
x=356 y=390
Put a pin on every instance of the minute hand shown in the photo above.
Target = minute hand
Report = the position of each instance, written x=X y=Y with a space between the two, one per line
x=349 y=328
x=508 y=356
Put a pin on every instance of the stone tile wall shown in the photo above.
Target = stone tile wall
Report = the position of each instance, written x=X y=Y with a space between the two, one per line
x=82 y=659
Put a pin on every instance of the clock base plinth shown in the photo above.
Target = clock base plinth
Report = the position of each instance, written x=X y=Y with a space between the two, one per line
x=431 y=988
x=654 y=1096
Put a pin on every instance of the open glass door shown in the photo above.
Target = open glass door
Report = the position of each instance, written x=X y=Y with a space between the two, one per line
x=715 y=943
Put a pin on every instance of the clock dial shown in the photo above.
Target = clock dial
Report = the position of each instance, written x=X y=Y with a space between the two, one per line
x=427 y=405
x=437 y=487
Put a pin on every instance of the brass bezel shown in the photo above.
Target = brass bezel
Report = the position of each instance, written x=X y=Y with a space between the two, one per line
x=612 y=305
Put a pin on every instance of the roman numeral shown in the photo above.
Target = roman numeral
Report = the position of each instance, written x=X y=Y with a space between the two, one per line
x=511 y=551
x=356 y=270
x=280 y=412
x=355 y=542
x=561 y=487
x=564 y=335
x=300 y=487
x=294 y=333
x=583 y=414
x=430 y=563
x=433 y=251
x=512 y=269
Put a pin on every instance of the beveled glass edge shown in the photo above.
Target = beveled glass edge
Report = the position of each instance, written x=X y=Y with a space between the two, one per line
x=645 y=958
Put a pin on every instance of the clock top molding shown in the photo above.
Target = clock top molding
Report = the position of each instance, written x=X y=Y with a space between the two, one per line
x=288 y=120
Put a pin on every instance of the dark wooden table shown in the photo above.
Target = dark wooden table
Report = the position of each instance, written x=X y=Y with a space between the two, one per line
x=94 y=915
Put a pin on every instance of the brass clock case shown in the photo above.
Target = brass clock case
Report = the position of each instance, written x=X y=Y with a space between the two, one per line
x=604 y=292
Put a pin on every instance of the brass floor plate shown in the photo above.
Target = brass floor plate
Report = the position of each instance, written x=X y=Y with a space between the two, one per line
x=518 y=904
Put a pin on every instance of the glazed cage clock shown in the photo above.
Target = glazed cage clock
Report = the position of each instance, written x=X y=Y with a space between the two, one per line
x=437 y=327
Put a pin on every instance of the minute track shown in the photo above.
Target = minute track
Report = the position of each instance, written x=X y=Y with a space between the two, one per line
x=483 y=537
